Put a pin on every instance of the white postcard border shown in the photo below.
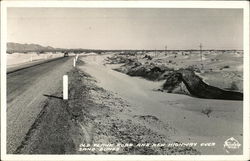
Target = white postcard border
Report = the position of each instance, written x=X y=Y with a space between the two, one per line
x=126 y=4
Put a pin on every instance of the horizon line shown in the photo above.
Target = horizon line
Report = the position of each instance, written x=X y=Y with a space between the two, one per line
x=121 y=49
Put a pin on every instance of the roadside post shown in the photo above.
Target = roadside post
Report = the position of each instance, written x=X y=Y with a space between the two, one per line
x=74 y=62
x=65 y=87
x=76 y=57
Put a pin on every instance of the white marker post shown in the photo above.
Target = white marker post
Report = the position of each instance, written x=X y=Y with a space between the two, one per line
x=65 y=87
x=74 y=62
x=76 y=57
x=31 y=58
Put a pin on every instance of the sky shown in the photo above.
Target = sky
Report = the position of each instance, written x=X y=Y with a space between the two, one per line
x=127 y=28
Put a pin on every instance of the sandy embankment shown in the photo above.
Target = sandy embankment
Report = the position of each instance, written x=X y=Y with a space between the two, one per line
x=219 y=69
x=16 y=59
x=187 y=115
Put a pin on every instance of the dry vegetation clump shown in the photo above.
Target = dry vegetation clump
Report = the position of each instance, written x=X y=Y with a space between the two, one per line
x=149 y=72
x=178 y=79
x=197 y=88
x=194 y=68
x=207 y=110
x=234 y=86
x=117 y=59
x=133 y=67
x=148 y=57
x=225 y=67
x=174 y=84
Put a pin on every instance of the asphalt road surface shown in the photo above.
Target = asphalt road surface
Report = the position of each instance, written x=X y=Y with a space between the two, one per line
x=26 y=94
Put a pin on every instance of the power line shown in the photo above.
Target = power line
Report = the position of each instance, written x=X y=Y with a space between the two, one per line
x=201 y=56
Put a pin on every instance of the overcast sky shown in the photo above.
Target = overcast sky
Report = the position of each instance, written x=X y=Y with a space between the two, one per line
x=127 y=28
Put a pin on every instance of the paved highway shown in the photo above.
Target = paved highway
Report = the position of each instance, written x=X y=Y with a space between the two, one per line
x=25 y=96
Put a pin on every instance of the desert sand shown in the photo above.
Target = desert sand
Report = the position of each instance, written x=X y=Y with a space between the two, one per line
x=186 y=115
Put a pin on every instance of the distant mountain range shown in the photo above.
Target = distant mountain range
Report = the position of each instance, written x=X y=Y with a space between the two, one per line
x=17 y=47
x=25 y=48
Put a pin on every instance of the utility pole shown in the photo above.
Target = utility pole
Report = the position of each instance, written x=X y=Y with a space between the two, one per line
x=201 y=56
x=166 y=48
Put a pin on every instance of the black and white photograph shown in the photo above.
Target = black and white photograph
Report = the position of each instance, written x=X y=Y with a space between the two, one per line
x=124 y=81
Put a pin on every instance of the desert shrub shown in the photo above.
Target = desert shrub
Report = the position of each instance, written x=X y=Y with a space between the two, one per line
x=172 y=81
x=148 y=57
x=234 y=86
x=193 y=68
x=224 y=67
x=206 y=110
